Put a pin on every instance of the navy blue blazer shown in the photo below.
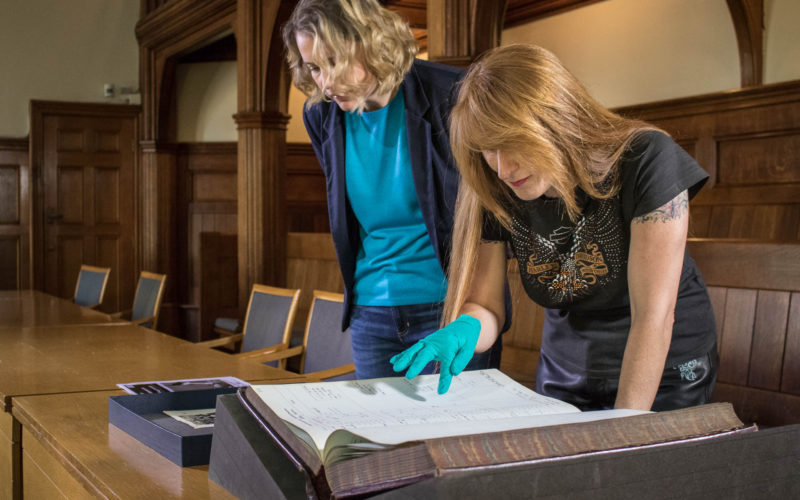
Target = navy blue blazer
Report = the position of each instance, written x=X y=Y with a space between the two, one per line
x=428 y=91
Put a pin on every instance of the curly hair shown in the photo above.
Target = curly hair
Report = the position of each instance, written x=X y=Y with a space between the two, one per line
x=347 y=31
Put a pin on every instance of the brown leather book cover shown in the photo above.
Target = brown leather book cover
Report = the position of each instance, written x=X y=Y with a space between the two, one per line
x=585 y=437
x=416 y=461
x=294 y=447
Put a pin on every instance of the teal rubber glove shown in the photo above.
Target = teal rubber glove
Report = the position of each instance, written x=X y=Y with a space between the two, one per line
x=452 y=346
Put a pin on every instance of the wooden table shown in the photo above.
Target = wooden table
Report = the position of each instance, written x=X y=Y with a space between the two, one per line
x=70 y=450
x=81 y=358
x=22 y=308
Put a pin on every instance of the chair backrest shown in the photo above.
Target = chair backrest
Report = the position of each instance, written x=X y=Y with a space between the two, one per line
x=147 y=301
x=754 y=288
x=269 y=318
x=326 y=346
x=91 y=285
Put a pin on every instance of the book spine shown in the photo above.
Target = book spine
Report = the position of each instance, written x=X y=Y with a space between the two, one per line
x=380 y=470
x=304 y=462
x=258 y=416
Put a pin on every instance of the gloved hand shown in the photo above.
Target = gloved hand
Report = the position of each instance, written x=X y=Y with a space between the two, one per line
x=453 y=346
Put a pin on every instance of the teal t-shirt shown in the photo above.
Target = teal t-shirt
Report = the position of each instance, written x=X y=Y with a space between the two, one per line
x=396 y=264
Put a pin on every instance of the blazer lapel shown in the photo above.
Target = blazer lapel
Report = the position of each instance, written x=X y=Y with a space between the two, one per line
x=419 y=152
x=342 y=223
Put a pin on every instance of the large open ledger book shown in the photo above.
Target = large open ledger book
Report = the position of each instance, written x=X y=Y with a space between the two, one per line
x=356 y=437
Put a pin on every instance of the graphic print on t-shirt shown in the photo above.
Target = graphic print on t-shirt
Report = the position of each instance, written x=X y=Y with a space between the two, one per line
x=569 y=263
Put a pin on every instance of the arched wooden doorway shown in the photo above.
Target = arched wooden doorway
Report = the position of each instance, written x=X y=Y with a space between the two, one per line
x=168 y=31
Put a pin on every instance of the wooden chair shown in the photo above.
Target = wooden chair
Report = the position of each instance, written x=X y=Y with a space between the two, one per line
x=326 y=350
x=268 y=322
x=146 y=301
x=91 y=286
x=754 y=286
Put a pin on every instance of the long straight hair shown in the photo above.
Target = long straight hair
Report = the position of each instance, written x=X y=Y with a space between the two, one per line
x=521 y=100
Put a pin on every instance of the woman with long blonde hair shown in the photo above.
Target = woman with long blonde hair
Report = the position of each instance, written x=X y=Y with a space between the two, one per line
x=377 y=119
x=594 y=207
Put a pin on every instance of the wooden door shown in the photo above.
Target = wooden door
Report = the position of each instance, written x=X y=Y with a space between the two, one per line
x=88 y=192
x=14 y=215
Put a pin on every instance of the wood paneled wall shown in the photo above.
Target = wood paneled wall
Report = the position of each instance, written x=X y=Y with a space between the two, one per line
x=749 y=141
x=755 y=291
x=311 y=265
x=217 y=286
x=15 y=213
x=208 y=205
x=306 y=201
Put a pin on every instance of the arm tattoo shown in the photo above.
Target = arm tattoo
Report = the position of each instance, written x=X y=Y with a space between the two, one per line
x=673 y=209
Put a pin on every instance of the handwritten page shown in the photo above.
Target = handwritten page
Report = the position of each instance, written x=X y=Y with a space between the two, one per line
x=396 y=410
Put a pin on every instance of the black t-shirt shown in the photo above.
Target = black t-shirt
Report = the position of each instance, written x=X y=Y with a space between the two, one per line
x=578 y=271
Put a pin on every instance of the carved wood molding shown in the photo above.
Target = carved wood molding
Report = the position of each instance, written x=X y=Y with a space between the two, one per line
x=165 y=34
x=180 y=19
x=415 y=12
x=157 y=147
x=83 y=108
x=261 y=178
x=748 y=21
x=148 y=6
x=778 y=93
x=277 y=80
x=263 y=95
x=460 y=30
x=518 y=12
x=487 y=25
x=448 y=29
x=172 y=30
x=13 y=144
x=258 y=119
x=525 y=11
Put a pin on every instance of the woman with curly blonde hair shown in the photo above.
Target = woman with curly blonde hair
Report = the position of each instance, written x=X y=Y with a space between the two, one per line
x=377 y=119
x=595 y=208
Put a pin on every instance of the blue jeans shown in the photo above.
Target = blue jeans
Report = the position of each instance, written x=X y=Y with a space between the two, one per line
x=380 y=332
